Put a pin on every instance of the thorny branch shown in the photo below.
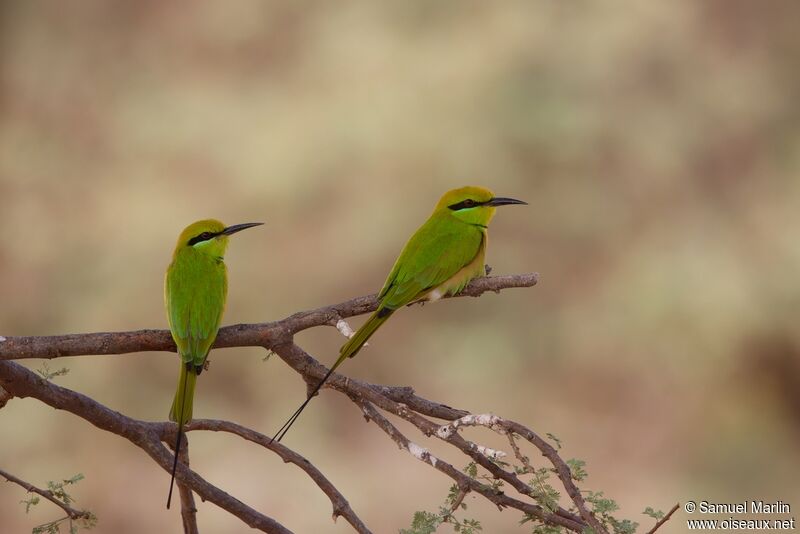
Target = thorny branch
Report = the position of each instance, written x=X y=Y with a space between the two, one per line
x=664 y=519
x=71 y=512
x=277 y=336
x=22 y=383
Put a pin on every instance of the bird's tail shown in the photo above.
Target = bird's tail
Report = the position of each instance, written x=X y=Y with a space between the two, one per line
x=181 y=412
x=348 y=350
x=355 y=343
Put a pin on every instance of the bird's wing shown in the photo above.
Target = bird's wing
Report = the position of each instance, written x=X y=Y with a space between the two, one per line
x=433 y=255
x=195 y=310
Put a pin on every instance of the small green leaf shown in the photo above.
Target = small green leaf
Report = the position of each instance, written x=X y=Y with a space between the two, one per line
x=655 y=514
x=471 y=470
x=77 y=478
x=32 y=501
x=423 y=523
x=600 y=504
x=626 y=526
x=54 y=527
x=554 y=439
x=577 y=469
x=47 y=374
x=547 y=529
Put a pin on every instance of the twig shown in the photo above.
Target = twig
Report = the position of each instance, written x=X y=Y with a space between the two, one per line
x=462 y=492
x=562 y=470
x=278 y=337
x=149 y=436
x=310 y=369
x=47 y=494
x=503 y=426
x=488 y=420
x=188 y=507
x=23 y=383
x=526 y=463
x=663 y=519
x=340 y=505
x=518 y=454
x=241 y=335
x=498 y=498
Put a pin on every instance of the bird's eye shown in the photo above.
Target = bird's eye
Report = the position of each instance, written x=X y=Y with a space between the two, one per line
x=199 y=238
x=464 y=204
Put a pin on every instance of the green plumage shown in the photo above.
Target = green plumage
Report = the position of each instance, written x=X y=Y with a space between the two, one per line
x=442 y=256
x=181 y=411
x=195 y=289
x=355 y=343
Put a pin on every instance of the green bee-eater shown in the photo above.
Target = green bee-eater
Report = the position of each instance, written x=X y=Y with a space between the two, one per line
x=440 y=259
x=195 y=288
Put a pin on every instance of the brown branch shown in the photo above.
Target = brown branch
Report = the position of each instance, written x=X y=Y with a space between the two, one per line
x=664 y=519
x=562 y=470
x=5 y=396
x=508 y=427
x=188 y=510
x=278 y=337
x=188 y=507
x=241 y=335
x=341 y=508
x=405 y=395
x=149 y=435
x=462 y=492
x=498 y=498
x=311 y=370
x=72 y=513
x=518 y=453
x=22 y=383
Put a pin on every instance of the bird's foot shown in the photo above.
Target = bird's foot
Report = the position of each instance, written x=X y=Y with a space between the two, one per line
x=488 y=269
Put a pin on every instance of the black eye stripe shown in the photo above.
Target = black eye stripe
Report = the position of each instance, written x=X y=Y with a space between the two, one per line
x=468 y=203
x=205 y=236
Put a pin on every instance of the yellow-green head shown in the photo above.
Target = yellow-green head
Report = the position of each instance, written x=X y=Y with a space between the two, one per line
x=208 y=236
x=472 y=204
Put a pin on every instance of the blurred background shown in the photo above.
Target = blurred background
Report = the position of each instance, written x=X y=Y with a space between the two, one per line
x=657 y=143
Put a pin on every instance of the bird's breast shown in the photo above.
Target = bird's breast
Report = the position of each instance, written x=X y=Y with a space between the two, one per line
x=461 y=278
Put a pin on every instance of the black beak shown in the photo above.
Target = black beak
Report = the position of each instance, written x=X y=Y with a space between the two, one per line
x=238 y=228
x=504 y=201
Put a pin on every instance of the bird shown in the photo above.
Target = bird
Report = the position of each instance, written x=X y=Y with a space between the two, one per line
x=440 y=259
x=195 y=289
